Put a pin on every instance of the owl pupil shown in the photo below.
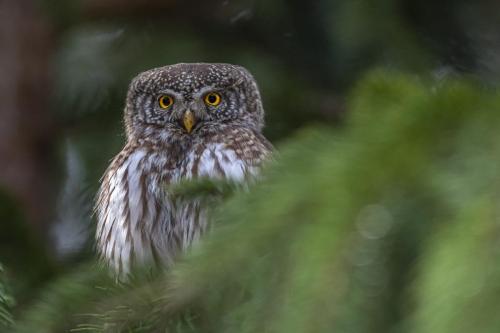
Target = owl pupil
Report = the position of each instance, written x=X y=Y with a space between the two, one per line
x=212 y=99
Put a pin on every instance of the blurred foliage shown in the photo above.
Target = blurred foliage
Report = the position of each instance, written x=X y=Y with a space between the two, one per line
x=65 y=300
x=387 y=225
x=6 y=302
x=21 y=251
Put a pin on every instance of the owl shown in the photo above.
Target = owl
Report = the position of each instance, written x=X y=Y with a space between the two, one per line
x=183 y=121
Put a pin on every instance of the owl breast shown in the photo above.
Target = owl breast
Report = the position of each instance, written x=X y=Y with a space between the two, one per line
x=216 y=161
x=139 y=221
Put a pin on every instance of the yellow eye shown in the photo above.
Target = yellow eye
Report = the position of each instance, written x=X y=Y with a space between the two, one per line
x=212 y=99
x=165 y=101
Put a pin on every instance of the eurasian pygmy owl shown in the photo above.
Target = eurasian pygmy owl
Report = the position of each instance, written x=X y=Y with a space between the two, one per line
x=182 y=121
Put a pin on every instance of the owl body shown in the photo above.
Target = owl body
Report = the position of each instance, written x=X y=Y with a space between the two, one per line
x=194 y=136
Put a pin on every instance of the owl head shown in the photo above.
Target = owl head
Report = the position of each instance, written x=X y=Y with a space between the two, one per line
x=186 y=100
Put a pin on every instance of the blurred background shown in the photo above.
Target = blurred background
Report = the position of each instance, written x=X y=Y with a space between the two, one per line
x=64 y=72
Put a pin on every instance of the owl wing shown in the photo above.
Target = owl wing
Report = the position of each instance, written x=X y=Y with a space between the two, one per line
x=139 y=221
x=130 y=207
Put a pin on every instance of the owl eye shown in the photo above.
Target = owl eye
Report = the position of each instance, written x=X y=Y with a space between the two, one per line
x=212 y=99
x=165 y=101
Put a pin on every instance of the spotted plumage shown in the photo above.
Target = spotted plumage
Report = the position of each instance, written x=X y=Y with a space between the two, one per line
x=208 y=124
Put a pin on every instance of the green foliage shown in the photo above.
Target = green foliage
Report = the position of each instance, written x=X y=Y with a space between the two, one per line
x=21 y=251
x=6 y=302
x=387 y=225
x=328 y=240
x=64 y=301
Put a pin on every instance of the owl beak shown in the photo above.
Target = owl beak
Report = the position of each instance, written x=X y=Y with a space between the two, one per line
x=188 y=121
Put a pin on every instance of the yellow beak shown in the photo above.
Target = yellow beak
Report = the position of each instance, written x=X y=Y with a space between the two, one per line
x=188 y=121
